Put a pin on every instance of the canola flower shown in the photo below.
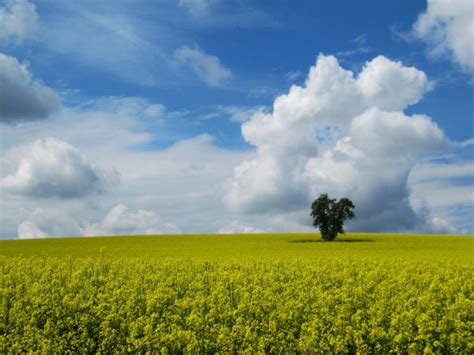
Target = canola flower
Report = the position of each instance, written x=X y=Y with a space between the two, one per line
x=361 y=303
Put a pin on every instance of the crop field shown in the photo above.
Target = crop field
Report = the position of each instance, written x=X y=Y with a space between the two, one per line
x=263 y=293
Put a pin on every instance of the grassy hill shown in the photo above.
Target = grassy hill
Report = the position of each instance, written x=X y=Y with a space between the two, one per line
x=259 y=293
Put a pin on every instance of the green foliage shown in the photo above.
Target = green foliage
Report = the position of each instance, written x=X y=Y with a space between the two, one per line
x=363 y=296
x=329 y=215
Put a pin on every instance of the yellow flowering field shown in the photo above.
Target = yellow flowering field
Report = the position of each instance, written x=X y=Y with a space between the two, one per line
x=265 y=293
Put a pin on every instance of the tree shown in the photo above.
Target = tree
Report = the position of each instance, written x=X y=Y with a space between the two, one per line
x=330 y=215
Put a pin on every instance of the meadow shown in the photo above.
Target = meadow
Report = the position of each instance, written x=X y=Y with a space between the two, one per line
x=262 y=293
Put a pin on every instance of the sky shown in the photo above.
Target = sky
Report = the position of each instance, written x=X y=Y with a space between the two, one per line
x=213 y=116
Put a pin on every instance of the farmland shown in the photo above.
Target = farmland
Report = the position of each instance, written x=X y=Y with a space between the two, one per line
x=238 y=293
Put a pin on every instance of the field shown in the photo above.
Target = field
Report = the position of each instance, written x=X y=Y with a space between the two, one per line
x=366 y=293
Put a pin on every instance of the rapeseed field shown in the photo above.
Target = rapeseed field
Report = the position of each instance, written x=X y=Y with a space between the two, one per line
x=262 y=293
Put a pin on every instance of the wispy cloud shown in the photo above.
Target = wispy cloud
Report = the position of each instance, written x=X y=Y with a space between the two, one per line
x=294 y=75
x=197 y=7
x=237 y=114
x=109 y=42
x=206 y=67
x=360 y=44
x=138 y=43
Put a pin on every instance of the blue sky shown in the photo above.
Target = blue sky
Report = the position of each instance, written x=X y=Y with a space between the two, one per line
x=148 y=111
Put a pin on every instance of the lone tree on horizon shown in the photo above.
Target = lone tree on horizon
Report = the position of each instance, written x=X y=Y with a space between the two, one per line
x=330 y=215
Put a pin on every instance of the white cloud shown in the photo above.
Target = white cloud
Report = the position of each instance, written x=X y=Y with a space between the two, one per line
x=156 y=111
x=120 y=220
x=116 y=40
x=393 y=134
x=343 y=135
x=238 y=114
x=445 y=189
x=48 y=222
x=294 y=75
x=197 y=7
x=53 y=168
x=237 y=227
x=445 y=195
x=29 y=230
x=18 y=21
x=434 y=185
x=389 y=85
x=109 y=38
x=426 y=172
x=206 y=67
x=22 y=97
x=187 y=178
x=123 y=221
x=442 y=226
x=448 y=28
x=223 y=14
x=367 y=167
x=332 y=96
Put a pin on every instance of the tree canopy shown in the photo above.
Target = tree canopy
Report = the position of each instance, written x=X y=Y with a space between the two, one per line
x=329 y=215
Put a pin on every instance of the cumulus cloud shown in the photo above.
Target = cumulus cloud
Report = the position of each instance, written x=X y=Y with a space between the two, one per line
x=448 y=28
x=48 y=222
x=123 y=221
x=372 y=168
x=23 y=97
x=332 y=96
x=379 y=133
x=185 y=178
x=29 y=230
x=206 y=67
x=120 y=220
x=18 y=21
x=342 y=134
x=53 y=168
x=389 y=85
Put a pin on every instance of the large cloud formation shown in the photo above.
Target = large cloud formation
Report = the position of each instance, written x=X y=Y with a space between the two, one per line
x=448 y=27
x=53 y=168
x=22 y=97
x=344 y=135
